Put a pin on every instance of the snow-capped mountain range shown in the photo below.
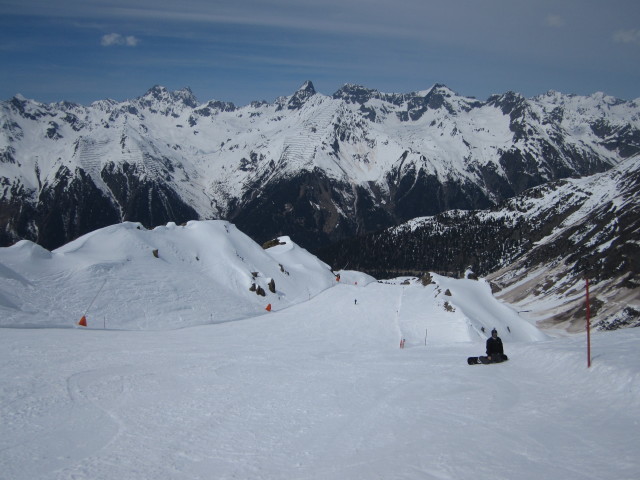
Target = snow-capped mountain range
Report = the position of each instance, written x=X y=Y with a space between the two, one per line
x=318 y=168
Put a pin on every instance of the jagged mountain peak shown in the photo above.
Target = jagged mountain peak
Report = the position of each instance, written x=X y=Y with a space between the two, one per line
x=517 y=107
x=104 y=105
x=609 y=100
x=19 y=97
x=306 y=91
x=352 y=93
x=507 y=101
x=157 y=91
x=552 y=95
x=18 y=102
x=414 y=104
x=27 y=108
x=214 y=106
x=159 y=94
x=441 y=89
x=596 y=102
x=307 y=87
x=441 y=96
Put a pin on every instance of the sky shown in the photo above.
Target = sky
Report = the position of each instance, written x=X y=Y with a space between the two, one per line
x=245 y=50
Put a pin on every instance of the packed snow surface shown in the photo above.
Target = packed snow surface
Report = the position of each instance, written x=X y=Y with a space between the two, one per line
x=182 y=374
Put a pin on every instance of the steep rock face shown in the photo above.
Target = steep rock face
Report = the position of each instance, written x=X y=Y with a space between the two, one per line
x=319 y=168
x=140 y=199
x=311 y=205
x=70 y=206
x=66 y=207
x=18 y=219
x=417 y=193
x=299 y=98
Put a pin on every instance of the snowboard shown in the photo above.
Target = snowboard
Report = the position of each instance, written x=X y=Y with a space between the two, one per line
x=484 y=360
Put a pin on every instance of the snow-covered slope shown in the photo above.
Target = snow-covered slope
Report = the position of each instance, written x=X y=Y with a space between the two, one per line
x=590 y=230
x=127 y=277
x=202 y=274
x=317 y=390
x=312 y=166
x=536 y=248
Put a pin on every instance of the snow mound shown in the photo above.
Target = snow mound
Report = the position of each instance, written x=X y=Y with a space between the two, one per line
x=127 y=277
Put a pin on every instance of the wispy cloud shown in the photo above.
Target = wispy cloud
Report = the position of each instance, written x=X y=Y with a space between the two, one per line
x=627 y=36
x=115 y=39
x=554 y=21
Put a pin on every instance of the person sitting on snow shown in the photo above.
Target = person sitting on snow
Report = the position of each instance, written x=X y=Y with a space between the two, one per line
x=495 y=351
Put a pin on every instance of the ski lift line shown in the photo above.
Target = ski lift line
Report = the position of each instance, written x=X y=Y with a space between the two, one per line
x=96 y=296
x=399 y=307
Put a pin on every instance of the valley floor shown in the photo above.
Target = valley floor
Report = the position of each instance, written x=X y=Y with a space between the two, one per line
x=320 y=390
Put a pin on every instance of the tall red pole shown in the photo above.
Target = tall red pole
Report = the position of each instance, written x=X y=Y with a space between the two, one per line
x=588 y=327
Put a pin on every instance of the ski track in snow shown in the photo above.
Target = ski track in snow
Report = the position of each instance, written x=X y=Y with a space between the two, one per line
x=317 y=391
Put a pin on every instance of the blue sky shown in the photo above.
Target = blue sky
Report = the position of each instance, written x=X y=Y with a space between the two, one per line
x=244 y=50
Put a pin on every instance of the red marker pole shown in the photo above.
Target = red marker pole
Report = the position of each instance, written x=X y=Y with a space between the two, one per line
x=588 y=327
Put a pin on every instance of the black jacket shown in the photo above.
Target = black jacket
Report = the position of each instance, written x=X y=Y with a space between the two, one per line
x=494 y=345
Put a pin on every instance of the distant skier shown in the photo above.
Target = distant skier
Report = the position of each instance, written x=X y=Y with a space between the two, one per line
x=355 y=301
x=495 y=351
